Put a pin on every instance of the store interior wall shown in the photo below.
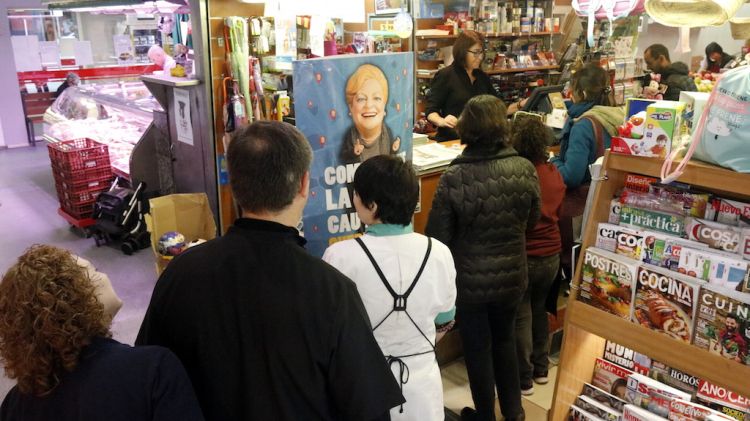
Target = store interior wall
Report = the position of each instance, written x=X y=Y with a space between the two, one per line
x=699 y=37
x=11 y=111
x=101 y=28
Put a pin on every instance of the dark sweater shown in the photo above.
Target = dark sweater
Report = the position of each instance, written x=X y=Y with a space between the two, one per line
x=485 y=202
x=113 y=382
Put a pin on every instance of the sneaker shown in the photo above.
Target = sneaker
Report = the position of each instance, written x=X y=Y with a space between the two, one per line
x=527 y=390
x=541 y=378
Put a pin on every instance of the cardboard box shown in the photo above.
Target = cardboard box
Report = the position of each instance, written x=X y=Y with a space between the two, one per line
x=694 y=104
x=663 y=125
x=188 y=214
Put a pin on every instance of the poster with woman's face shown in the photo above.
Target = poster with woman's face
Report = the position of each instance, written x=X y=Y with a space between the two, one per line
x=350 y=108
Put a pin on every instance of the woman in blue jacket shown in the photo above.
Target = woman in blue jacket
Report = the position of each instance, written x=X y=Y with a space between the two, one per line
x=590 y=112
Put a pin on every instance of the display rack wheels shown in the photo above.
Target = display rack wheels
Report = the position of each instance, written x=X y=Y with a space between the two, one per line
x=80 y=226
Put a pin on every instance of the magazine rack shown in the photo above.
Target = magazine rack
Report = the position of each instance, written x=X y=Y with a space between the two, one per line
x=587 y=328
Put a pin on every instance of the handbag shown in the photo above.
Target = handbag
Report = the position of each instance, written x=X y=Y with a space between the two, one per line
x=723 y=133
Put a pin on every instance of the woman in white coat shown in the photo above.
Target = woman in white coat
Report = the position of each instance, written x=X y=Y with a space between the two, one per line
x=406 y=281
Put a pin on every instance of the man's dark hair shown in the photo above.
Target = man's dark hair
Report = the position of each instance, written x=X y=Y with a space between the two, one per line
x=463 y=44
x=483 y=122
x=267 y=160
x=391 y=183
x=530 y=138
x=658 y=50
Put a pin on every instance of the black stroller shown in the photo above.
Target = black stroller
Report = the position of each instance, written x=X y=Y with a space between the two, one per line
x=119 y=217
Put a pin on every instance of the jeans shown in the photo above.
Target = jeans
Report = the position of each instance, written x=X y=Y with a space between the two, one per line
x=532 y=325
x=487 y=333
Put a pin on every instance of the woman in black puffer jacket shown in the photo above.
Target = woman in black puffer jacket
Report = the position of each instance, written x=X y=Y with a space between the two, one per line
x=485 y=202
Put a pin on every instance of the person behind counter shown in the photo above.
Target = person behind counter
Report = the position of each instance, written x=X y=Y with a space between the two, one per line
x=71 y=79
x=367 y=97
x=160 y=58
x=55 y=340
x=675 y=76
x=454 y=85
x=715 y=59
x=485 y=202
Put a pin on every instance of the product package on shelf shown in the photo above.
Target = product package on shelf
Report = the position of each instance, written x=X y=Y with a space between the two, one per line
x=607 y=281
x=652 y=395
x=605 y=398
x=663 y=125
x=665 y=301
x=598 y=409
x=635 y=413
x=724 y=401
x=730 y=212
x=723 y=323
x=580 y=414
x=674 y=377
x=694 y=104
x=694 y=201
x=610 y=377
x=626 y=357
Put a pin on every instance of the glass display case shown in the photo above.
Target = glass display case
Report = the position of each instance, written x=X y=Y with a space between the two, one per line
x=118 y=115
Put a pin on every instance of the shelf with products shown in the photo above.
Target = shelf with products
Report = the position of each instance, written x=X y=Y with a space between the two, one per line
x=492 y=35
x=587 y=328
x=501 y=71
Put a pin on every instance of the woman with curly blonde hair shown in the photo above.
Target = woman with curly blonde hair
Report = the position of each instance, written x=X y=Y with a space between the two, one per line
x=55 y=312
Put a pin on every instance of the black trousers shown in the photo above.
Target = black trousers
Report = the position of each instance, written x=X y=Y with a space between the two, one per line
x=487 y=332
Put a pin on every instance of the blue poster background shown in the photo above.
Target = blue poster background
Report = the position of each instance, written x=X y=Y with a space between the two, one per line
x=322 y=114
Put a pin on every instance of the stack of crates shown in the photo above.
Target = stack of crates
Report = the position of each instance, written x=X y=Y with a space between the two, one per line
x=81 y=169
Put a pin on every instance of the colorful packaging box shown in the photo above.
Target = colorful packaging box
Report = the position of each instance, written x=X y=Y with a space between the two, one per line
x=607 y=281
x=722 y=323
x=694 y=104
x=663 y=126
x=665 y=301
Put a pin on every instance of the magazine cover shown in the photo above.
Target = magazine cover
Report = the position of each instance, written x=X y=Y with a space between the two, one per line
x=610 y=377
x=715 y=234
x=729 y=212
x=607 y=281
x=654 y=244
x=683 y=410
x=629 y=242
x=674 y=377
x=652 y=395
x=723 y=323
x=673 y=251
x=597 y=409
x=723 y=400
x=579 y=414
x=665 y=222
x=350 y=108
x=606 y=236
x=665 y=302
x=634 y=413
x=603 y=397
x=626 y=357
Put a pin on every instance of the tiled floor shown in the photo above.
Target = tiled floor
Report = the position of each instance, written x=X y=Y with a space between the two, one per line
x=456 y=393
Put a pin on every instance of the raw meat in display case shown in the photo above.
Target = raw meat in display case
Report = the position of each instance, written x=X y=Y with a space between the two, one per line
x=117 y=114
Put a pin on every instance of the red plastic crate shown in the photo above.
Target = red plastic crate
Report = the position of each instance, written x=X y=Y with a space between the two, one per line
x=84 y=194
x=81 y=176
x=78 y=154
x=78 y=210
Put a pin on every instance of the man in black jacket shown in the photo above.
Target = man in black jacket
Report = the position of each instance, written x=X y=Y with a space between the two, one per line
x=673 y=75
x=265 y=330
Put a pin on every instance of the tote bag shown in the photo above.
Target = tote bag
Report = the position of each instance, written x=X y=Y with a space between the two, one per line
x=723 y=133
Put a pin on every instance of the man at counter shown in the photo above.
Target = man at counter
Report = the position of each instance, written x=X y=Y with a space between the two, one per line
x=71 y=79
x=157 y=56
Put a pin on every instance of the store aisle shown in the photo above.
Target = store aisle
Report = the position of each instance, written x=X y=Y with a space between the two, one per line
x=28 y=215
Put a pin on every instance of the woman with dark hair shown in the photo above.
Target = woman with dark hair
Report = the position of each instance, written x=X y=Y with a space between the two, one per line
x=592 y=121
x=55 y=341
x=531 y=138
x=403 y=264
x=454 y=85
x=715 y=59
x=485 y=202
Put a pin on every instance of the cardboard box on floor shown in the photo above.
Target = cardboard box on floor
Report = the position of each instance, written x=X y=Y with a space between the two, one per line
x=187 y=213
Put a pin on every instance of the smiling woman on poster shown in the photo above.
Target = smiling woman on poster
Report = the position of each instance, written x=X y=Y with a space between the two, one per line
x=367 y=97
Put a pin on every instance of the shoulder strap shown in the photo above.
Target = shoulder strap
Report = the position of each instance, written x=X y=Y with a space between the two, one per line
x=598 y=136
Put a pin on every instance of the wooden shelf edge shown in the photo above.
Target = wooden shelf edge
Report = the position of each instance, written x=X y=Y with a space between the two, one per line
x=680 y=355
x=700 y=174
x=520 y=70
